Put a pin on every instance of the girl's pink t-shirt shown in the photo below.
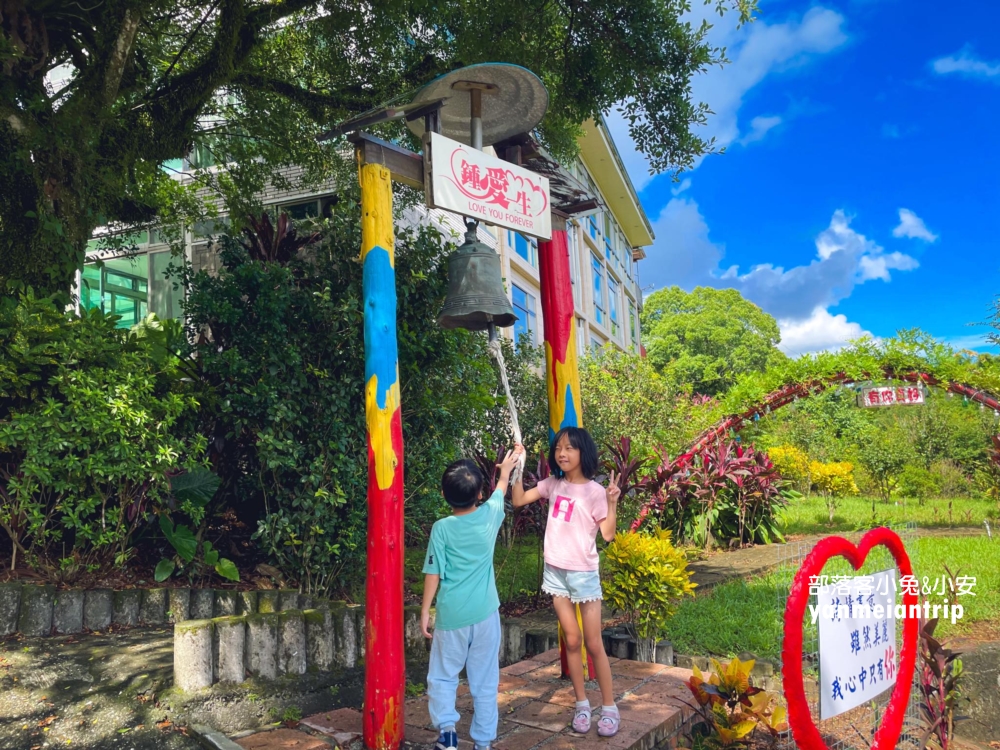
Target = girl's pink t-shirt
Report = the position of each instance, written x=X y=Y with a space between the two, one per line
x=575 y=515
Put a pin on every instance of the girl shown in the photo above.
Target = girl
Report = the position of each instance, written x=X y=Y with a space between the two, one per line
x=579 y=506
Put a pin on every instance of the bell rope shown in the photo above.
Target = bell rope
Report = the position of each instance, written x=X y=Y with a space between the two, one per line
x=497 y=351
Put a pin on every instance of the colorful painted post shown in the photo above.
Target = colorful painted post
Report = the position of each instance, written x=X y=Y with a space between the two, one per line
x=385 y=675
x=562 y=374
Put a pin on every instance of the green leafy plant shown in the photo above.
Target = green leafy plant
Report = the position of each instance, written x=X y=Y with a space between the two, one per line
x=192 y=492
x=645 y=576
x=415 y=689
x=93 y=423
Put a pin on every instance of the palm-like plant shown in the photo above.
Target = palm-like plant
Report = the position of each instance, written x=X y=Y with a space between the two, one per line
x=269 y=244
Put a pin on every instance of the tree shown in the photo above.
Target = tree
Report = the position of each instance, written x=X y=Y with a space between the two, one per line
x=708 y=337
x=624 y=396
x=96 y=97
x=883 y=454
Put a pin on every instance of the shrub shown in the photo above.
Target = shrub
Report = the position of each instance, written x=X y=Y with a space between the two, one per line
x=645 y=575
x=833 y=480
x=791 y=463
x=918 y=482
x=724 y=492
x=91 y=418
x=951 y=478
x=281 y=346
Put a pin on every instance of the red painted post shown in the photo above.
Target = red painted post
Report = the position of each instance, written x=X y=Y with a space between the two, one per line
x=385 y=670
x=562 y=373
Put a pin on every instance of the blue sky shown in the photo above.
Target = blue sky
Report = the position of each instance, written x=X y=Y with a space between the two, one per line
x=860 y=188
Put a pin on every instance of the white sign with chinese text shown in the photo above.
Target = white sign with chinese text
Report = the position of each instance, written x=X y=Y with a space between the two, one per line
x=857 y=641
x=892 y=395
x=475 y=184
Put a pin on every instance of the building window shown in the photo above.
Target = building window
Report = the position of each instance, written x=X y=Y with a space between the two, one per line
x=595 y=345
x=573 y=248
x=297 y=211
x=211 y=227
x=527 y=321
x=133 y=287
x=581 y=336
x=633 y=324
x=526 y=247
x=613 y=314
x=609 y=238
x=592 y=226
x=598 y=272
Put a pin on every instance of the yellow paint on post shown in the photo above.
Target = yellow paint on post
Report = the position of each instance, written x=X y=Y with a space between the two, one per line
x=376 y=211
x=564 y=374
x=380 y=429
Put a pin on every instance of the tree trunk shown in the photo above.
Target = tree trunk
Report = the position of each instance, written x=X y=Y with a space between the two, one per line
x=645 y=649
x=44 y=245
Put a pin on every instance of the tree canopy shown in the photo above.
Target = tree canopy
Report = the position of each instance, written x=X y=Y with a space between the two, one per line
x=96 y=97
x=708 y=337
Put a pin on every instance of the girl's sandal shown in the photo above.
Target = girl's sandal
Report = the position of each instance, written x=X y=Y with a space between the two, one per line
x=608 y=724
x=581 y=721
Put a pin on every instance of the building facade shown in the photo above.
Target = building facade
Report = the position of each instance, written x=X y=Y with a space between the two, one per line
x=605 y=248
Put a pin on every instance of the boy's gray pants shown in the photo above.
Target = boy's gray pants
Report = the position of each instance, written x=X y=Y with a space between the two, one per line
x=477 y=648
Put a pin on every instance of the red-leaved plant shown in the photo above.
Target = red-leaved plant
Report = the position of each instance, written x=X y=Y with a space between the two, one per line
x=722 y=491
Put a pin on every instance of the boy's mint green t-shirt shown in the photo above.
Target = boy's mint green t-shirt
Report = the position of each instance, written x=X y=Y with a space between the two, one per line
x=461 y=552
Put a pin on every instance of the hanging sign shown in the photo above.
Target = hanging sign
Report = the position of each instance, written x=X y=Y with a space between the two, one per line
x=472 y=183
x=857 y=641
x=891 y=395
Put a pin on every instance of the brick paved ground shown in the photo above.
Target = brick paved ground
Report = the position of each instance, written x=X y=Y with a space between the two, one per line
x=536 y=708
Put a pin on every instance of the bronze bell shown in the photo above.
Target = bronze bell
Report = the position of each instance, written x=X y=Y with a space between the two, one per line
x=476 y=297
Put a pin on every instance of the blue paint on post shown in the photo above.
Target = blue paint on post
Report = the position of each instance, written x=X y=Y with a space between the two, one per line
x=381 y=350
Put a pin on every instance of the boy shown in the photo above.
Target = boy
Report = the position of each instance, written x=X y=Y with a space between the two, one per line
x=467 y=627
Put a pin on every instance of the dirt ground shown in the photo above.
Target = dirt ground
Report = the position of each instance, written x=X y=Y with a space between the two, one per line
x=113 y=691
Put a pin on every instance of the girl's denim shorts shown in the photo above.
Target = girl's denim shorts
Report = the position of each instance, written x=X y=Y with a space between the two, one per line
x=576 y=585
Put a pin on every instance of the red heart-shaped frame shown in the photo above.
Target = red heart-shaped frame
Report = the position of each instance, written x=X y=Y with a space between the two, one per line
x=806 y=735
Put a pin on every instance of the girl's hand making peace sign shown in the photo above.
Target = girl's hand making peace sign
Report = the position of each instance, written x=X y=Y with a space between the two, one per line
x=613 y=491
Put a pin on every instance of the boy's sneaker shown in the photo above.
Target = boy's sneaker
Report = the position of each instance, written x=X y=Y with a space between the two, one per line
x=447 y=741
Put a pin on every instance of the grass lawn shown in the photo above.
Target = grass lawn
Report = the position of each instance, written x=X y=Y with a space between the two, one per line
x=748 y=615
x=810 y=515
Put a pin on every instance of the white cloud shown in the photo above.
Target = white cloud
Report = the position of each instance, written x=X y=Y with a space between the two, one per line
x=684 y=254
x=966 y=63
x=759 y=127
x=821 y=331
x=685 y=185
x=756 y=51
x=912 y=226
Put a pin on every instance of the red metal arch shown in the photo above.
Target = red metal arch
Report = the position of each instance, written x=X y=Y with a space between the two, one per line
x=789 y=393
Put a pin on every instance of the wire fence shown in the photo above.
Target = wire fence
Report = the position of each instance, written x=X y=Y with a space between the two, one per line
x=854 y=729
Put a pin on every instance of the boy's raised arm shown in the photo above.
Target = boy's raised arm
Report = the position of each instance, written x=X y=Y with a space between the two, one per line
x=507 y=466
